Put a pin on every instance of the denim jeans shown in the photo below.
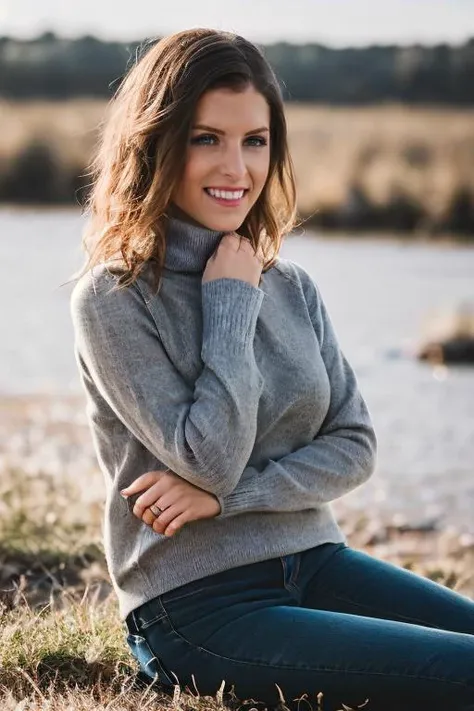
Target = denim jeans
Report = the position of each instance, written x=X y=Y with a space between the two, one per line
x=330 y=619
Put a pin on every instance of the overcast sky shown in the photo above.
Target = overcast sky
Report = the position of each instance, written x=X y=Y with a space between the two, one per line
x=334 y=22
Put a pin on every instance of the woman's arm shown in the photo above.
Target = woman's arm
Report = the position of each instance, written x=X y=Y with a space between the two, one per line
x=341 y=457
x=206 y=433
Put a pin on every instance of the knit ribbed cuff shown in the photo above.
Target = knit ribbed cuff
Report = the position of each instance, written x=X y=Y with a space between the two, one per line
x=241 y=499
x=230 y=309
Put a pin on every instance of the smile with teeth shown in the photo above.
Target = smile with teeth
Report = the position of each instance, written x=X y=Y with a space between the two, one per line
x=225 y=194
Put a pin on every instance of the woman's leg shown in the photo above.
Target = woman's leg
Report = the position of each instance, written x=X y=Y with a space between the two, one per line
x=354 y=582
x=245 y=627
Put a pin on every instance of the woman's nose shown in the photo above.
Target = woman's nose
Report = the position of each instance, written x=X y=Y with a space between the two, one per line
x=234 y=162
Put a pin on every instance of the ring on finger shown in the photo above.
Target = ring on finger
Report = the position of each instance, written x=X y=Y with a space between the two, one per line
x=156 y=511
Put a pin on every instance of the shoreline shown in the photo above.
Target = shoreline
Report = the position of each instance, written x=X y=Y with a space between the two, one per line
x=311 y=230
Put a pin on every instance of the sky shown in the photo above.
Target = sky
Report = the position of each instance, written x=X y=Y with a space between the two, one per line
x=331 y=22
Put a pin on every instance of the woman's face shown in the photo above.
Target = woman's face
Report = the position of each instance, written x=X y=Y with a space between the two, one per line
x=221 y=156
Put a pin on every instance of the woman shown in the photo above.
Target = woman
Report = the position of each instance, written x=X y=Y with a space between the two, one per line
x=225 y=416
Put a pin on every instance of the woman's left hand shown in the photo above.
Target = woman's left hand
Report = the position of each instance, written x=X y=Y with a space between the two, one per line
x=179 y=500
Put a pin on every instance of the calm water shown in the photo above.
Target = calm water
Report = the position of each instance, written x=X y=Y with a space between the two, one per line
x=379 y=295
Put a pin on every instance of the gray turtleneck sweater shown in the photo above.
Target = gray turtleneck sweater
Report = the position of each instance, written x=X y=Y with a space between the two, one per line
x=241 y=390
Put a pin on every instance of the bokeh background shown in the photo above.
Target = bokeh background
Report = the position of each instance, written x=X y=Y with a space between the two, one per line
x=380 y=106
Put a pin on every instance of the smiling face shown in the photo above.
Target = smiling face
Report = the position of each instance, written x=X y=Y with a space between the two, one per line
x=228 y=148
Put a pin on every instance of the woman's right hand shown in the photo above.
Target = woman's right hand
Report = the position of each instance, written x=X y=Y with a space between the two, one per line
x=234 y=258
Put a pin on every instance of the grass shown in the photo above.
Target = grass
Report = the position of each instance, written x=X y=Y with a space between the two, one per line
x=412 y=167
x=426 y=151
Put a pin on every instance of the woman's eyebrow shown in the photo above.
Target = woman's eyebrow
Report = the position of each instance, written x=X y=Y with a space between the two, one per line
x=217 y=130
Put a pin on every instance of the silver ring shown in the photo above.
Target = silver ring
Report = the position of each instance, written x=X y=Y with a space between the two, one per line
x=156 y=511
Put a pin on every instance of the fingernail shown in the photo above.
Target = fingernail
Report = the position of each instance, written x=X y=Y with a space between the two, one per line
x=125 y=496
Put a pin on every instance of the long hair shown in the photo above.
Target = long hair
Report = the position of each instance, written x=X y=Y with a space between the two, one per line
x=142 y=149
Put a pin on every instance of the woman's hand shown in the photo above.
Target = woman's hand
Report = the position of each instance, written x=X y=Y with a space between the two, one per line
x=234 y=258
x=180 y=501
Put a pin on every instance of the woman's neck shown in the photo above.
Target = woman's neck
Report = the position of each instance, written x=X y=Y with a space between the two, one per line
x=189 y=244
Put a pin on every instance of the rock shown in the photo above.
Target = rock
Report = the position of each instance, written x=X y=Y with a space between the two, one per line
x=458 y=350
x=450 y=337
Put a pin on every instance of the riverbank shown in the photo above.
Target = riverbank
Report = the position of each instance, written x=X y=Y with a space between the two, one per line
x=306 y=225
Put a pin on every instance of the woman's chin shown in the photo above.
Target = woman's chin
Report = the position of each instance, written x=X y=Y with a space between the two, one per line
x=222 y=222
x=218 y=223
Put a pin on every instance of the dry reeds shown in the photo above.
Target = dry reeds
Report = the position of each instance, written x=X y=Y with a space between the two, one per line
x=381 y=167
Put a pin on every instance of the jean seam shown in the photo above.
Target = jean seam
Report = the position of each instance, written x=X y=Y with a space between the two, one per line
x=314 y=669
x=296 y=570
x=291 y=584
x=401 y=618
x=154 y=658
x=148 y=623
x=342 y=547
x=140 y=620
x=187 y=594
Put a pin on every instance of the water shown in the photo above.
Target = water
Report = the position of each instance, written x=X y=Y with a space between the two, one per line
x=378 y=293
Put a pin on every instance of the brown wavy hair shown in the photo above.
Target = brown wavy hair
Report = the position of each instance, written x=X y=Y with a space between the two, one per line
x=142 y=150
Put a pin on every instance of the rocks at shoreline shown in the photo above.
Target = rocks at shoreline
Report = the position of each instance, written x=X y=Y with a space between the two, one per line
x=450 y=337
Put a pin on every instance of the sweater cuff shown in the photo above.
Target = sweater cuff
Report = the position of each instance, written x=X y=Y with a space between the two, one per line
x=230 y=309
x=239 y=500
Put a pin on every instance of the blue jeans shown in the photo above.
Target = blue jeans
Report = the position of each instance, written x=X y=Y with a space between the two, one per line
x=330 y=619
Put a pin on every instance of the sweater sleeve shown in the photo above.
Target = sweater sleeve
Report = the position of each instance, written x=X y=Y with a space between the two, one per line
x=205 y=431
x=341 y=456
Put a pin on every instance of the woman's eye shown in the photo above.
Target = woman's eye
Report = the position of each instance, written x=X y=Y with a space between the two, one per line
x=262 y=141
x=200 y=139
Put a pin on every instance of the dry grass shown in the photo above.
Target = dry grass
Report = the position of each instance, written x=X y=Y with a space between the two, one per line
x=69 y=127
x=429 y=153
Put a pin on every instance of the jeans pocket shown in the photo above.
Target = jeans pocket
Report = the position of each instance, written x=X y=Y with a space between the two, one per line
x=150 y=664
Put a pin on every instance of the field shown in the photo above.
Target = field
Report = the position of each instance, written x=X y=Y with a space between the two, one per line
x=391 y=165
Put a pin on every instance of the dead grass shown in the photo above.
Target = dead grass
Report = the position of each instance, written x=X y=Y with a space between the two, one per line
x=68 y=127
x=426 y=152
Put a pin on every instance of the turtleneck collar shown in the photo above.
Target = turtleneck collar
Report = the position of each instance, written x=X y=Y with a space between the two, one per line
x=189 y=244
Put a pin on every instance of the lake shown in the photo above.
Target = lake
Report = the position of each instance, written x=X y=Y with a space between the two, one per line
x=379 y=294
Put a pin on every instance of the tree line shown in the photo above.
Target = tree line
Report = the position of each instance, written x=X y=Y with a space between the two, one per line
x=54 y=68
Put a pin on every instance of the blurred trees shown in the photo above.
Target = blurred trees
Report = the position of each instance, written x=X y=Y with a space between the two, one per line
x=379 y=168
x=49 y=67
